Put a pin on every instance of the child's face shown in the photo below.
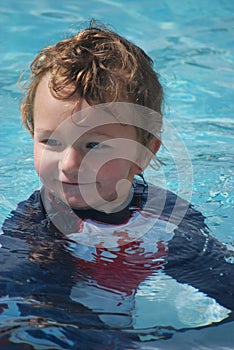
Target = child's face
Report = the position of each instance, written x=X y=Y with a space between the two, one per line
x=61 y=145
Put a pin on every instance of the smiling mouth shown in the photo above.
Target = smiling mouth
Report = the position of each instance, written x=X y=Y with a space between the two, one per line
x=70 y=183
x=75 y=183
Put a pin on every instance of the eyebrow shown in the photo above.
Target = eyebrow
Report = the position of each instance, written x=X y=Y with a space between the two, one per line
x=44 y=130
x=91 y=131
x=51 y=131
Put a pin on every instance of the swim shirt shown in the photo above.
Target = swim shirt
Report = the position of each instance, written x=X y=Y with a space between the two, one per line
x=155 y=234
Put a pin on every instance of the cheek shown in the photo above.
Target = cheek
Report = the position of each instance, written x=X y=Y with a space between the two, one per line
x=43 y=164
x=37 y=159
x=115 y=170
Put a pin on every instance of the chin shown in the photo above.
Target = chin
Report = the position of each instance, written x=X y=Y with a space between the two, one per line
x=74 y=204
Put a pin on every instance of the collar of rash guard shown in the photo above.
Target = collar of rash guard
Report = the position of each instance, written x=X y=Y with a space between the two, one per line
x=138 y=196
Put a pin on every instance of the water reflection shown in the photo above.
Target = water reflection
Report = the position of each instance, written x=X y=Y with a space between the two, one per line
x=58 y=294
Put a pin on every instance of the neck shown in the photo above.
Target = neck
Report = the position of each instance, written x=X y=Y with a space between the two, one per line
x=62 y=215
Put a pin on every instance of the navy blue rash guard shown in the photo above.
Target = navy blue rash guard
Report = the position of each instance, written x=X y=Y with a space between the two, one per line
x=190 y=256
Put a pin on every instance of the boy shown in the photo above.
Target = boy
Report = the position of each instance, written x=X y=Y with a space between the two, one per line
x=93 y=107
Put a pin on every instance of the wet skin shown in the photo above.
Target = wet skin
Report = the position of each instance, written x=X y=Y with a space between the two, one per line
x=79 y=164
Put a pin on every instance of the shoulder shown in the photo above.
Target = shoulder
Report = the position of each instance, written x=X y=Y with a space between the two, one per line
x=27 y=212
x=31 y=205
x=171 y=207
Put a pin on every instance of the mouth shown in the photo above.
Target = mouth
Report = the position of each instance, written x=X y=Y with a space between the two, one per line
x=67 y=183
x=70 y=183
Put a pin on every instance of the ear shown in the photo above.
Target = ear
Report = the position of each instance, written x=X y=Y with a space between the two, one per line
x=153 y=144
x=146 y=156
x=152 y=148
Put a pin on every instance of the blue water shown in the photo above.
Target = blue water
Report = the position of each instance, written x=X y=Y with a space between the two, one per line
x=192 y=45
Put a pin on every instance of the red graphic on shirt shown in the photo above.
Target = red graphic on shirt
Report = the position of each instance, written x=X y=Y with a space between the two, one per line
x=123 y=270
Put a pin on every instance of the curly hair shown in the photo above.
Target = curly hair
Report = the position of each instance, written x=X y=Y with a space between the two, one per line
x=98 y=65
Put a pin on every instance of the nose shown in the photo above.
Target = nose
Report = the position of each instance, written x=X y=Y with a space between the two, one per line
x=70 y=161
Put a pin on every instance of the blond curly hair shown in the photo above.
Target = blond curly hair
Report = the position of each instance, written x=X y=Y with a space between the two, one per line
x=98 y=65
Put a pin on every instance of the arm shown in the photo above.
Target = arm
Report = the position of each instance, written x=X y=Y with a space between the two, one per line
x=198 y=259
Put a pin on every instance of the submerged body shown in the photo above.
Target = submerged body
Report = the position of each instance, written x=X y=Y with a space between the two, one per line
x=188 y=271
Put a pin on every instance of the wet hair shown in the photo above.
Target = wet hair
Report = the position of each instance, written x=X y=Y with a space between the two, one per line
x=100 y=66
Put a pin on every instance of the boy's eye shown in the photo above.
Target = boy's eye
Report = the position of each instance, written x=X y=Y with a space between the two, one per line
x=96 y=145
x=52 y=142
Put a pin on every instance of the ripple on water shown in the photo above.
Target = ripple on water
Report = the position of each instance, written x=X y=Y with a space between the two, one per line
x=58 y=15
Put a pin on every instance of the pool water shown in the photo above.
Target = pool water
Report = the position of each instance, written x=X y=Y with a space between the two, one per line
x=192 y=46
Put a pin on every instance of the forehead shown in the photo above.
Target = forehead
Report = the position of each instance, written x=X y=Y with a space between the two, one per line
x=48 y=109
x=67 y=116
